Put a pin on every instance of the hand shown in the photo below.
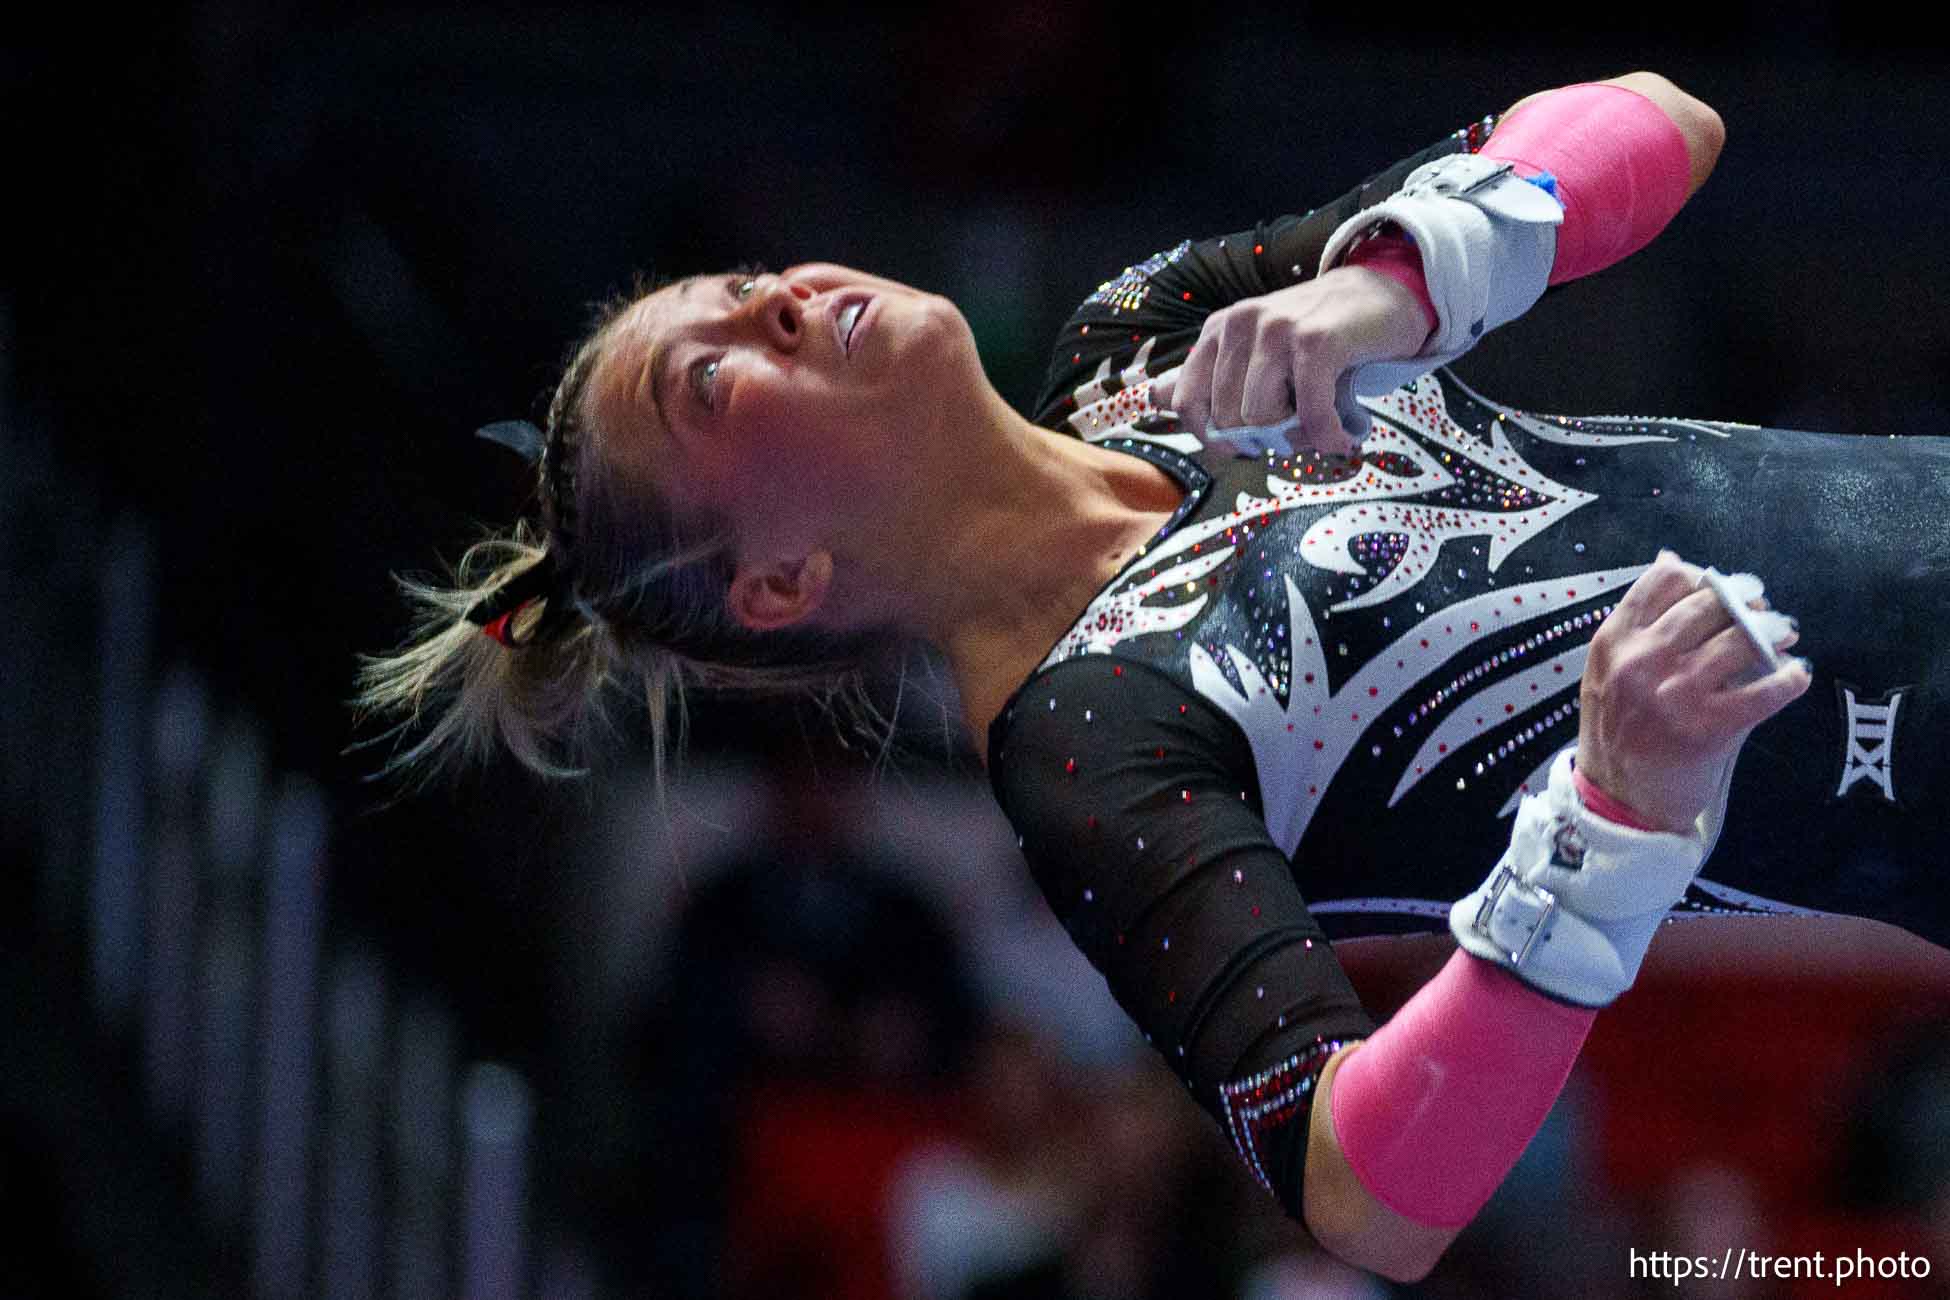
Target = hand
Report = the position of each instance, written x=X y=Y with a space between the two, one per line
x=1264 y=359
x=1668 y=696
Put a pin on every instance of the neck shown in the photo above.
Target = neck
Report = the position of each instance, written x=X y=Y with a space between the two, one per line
x=1027 y=540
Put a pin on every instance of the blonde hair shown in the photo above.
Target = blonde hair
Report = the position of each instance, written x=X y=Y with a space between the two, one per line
x=640 y=614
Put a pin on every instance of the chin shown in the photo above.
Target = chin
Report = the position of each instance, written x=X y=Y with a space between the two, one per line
x=946 y=336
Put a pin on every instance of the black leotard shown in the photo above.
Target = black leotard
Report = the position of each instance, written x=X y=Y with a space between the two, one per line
x=1335 y=680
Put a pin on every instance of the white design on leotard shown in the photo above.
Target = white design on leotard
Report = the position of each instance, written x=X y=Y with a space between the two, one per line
x=1420 y=407
x=1582 y=430
x=1116 y=614
x=1486 y=710
x=1298 y=748
x=1103 y=414
x=1326 y=543
x=1540 y=776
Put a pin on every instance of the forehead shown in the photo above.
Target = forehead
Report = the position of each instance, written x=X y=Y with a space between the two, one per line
x=644 y=322
x=618 y=400
x=643 y=332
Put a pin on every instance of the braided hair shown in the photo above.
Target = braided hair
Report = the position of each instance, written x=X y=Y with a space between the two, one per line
x=606 y=592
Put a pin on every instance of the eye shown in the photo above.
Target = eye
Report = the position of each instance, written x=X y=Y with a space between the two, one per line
x=704 y=379
x=744 y=288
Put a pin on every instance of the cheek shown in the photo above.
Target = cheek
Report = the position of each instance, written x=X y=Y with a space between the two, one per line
x=783 y=457
x=798 y=421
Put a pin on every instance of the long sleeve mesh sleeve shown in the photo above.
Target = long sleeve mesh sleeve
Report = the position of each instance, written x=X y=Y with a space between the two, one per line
x=1139 y=818
x=1166 y=298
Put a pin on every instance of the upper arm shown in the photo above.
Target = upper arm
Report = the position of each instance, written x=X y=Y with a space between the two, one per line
x=1137 y=805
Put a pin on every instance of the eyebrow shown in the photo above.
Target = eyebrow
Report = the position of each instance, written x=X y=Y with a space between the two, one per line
x=654 y=367
x=659 y=352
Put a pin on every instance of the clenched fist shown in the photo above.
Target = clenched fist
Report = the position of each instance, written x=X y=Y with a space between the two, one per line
x=1263 y=360
x=1670 y=693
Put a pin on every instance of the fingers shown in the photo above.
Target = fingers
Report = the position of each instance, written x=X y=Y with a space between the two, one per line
x=1248 y=370
x=1267 y=395
x=1192 y=394
x=1741 y=594
x=1739 y=709
x=1734 y=686
x=1691 y=621
x=1730 y=657
x=1669 y=581
x=1231 y=358
x=1320 y=424
x=1316 y=390
x=1280 y=376
x=1700 y=633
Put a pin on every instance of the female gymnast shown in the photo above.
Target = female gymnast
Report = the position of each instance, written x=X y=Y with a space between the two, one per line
x=1269 y=629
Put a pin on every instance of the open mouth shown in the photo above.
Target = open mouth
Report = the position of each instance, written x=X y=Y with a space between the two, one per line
x=846 y=323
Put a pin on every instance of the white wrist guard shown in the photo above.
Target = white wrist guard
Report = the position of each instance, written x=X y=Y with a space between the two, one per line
x=1575 y=902
x=1487 y=239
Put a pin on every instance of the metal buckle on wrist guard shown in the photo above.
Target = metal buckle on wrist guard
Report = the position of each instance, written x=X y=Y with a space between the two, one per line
x=1567 y=846
x=1485 y=181
x=1499 y=882
x=1444 y=180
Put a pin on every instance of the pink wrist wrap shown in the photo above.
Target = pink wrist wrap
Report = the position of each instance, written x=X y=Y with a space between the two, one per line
x=1621 y=166
x=1434 y=1109
x=1606 y=806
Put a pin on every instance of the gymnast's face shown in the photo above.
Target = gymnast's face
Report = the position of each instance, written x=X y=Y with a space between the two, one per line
x=780 y=402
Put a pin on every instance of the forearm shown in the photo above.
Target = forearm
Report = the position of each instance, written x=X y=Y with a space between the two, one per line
x=1622 y=157
x=1412 y=1133
x=1345 y=1218
x=1616 y=170
x=1701 y=128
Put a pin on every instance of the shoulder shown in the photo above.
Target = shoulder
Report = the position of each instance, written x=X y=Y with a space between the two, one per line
x=1114 y=733
x=1116 y=779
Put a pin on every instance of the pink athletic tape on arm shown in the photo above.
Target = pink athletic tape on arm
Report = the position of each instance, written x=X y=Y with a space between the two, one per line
x=1391 y=254
x=1621 y=166
x=1434 y=1109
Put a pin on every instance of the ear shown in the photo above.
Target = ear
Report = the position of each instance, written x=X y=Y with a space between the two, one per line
x=781 y=593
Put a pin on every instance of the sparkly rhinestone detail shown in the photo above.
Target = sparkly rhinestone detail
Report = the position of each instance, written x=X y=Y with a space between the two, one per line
x=1261 y=1102
x=1461 y=682
x=1477 y=134
x=1129 y=290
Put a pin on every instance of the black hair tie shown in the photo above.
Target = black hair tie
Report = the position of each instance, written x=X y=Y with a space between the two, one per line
x=495 y=613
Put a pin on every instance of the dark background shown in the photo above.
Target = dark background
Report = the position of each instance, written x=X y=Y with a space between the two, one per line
x=272 y=264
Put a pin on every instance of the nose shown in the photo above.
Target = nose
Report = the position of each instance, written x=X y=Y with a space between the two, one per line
x=779 y=309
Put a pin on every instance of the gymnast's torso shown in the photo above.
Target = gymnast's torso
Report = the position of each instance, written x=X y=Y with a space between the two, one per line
x=1350 y=672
